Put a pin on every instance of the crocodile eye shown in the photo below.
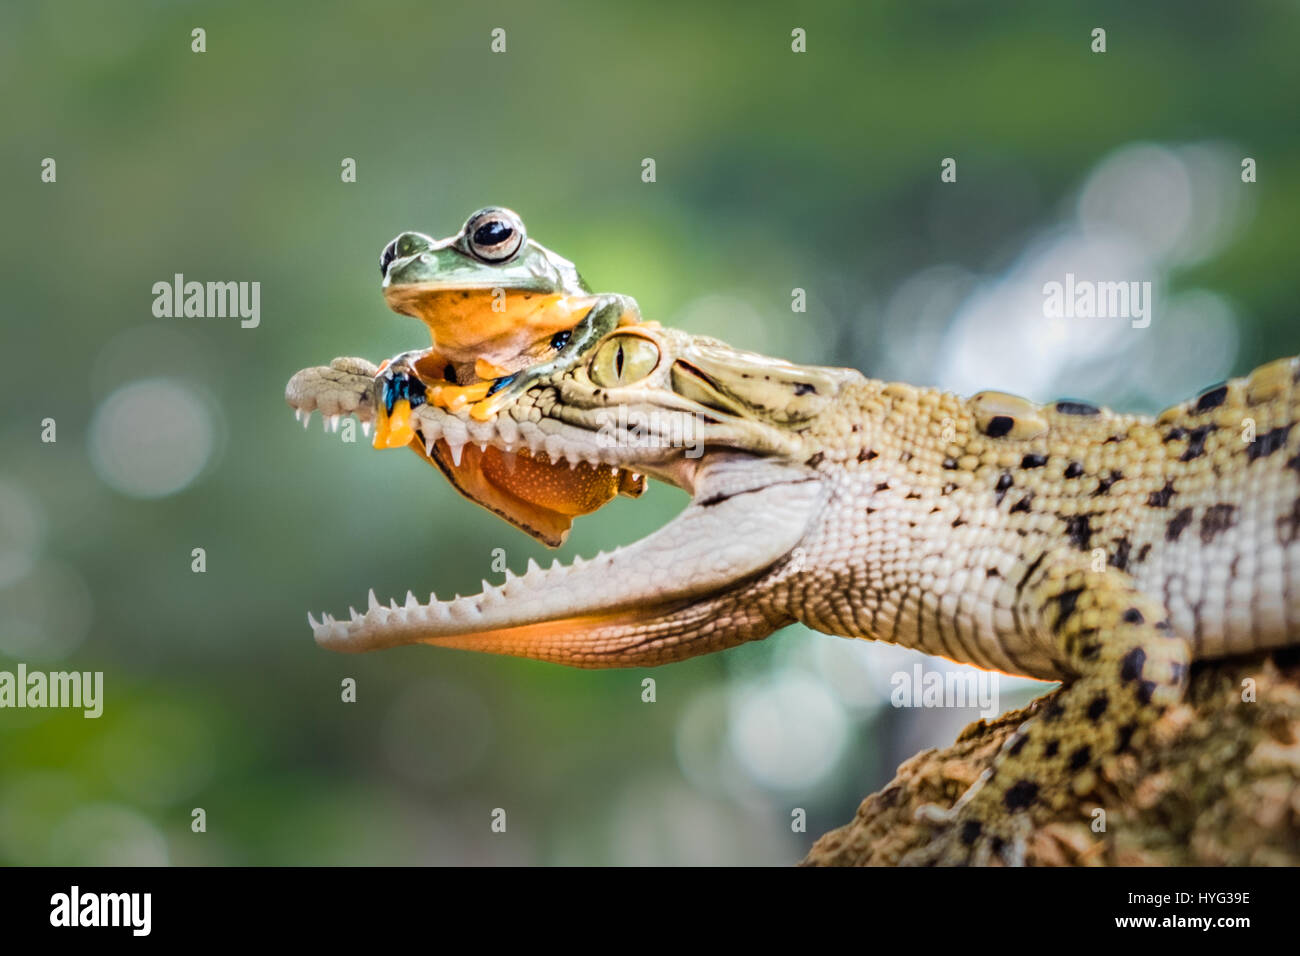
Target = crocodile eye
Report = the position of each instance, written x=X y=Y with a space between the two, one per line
x=387 y=256
x=623 y=360
x=494 y=235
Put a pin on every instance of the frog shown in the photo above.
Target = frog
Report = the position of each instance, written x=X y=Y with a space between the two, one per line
x=503 y=311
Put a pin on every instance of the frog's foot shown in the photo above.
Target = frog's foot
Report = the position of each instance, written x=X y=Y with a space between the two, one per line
x=455 y=397
x=958 y=837
x=405 y=363
x=400 y=390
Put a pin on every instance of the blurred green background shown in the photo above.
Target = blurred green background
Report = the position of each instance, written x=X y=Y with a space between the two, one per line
x=775 y=171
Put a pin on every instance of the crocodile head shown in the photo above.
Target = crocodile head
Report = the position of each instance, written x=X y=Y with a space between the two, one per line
x=734 y=429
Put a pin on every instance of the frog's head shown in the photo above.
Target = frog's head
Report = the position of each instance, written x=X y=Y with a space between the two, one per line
x=447 y=280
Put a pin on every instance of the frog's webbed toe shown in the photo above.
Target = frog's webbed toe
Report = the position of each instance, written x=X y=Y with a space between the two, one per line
x=400 y=389
x=455 y=397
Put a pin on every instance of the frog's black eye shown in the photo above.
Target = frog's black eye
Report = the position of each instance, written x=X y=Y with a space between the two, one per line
x=387 y=256
x=494 y=235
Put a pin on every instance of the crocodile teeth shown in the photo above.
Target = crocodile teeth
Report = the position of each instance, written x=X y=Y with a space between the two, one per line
x=462 y=610
x=454 y=430
x=373 y=602
x=306 y=419
x=411 y=601
x=457 y=448
x=507 y=430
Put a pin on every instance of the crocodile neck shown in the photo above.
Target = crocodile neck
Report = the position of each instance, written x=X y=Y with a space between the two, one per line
x=933 y=525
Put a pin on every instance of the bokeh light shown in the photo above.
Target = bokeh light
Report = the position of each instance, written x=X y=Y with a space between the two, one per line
x=102 y=834
x=46 y=613
x=788 y=730
x=152 y=438
x=657 y=821
x=1143 y=211
x=22 y=531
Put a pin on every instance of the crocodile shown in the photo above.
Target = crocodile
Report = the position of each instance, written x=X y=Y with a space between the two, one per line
x=1058 y=541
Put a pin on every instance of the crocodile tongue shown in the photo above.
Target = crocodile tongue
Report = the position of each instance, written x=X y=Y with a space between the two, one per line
x=533 y=493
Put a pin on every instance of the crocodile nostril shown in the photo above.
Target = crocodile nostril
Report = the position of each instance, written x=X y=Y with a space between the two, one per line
x=387 y=256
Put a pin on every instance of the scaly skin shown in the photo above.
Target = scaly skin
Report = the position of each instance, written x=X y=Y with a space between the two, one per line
x=1061 y=542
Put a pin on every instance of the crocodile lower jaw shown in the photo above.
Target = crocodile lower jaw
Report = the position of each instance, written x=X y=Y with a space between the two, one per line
x=588 y=613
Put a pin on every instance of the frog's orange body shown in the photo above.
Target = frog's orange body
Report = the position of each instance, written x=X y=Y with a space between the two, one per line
x=484 y=334
x=480 y=336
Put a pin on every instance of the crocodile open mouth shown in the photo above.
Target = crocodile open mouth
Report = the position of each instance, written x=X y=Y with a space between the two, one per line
x=529 y=490
x=627 y=607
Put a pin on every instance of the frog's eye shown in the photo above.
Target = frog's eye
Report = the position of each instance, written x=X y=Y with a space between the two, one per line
x=494 y=235
x=622 y=360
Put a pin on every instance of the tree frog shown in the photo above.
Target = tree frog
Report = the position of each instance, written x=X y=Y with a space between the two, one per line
x=503 y=310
